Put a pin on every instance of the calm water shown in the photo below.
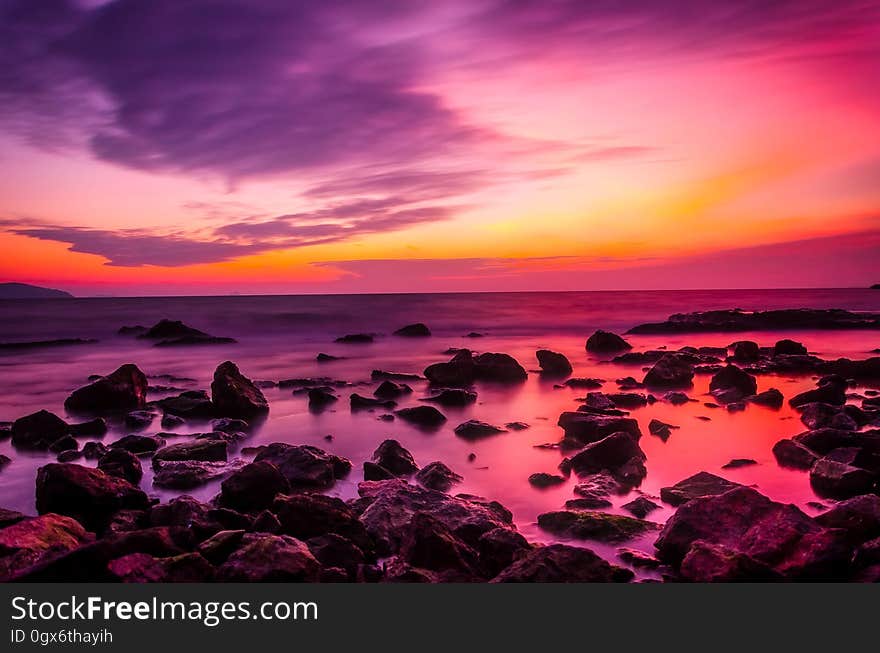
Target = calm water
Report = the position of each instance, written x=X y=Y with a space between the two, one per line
x=278 y=338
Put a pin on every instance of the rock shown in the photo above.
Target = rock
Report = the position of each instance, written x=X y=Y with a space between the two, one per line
x=628 y=400
x=499 y=548
x=122 y=464
x=391 y=456
x=817 y=415
x=355 y=339
x=701 y=484
x=388 y=507
x=671 y=371
x=713 y=563
x=736 y=463
x=93 y=450
x=661 y=429
x=165 y=329
x=837 y=476
x=586 y=427
x=188 y=474
x=459 y=371
x=474 y=430
x=641 y=507
x=326 y=358
x=516 y=426
x=320 y=398
x=123 y=390
x=745 y=351
x=171 y=421
x=63 y=444
x=305 y=466
x=601 y=526
x=583 y=383
x=560 y=563
x=423 y=416
x=824 y=440
x=132 y=330
x=4 y=461
x=333 y=550
x=234 y=395
x=230 y=425
x=429 y=544
x=452 y=397
x=775 y=534
x=638 y=558
x=605 y=342
x=772 y=398
x=832 y=391
x=359 y=402
x=37 y=430
x=270 y=558
x=618 y=453
x=553 y=363
x=88 y=495
x=201 y=450
x=733 y=378
x=188 y=341
x=676 y=398
x=139 y=444
x=310 y=515
x=464 y=369
x=597 y=403
x=543 y=479
x=28 y=542
x=10 y=517
x=253 y=487
x=383 y=375
x=772 y=320
x=417 y=330
x=437 y=476
x=594 y=491
x=786 y=347
x=391 y=390
x=498 y=368
x=374 y=472
x=96 y=428
x=858 y=516
x=191 y=404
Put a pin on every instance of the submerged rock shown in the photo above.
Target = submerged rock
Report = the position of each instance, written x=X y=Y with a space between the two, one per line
x=671 y=371
x=394 y=458
x=38 y=430
x=732 y=378
x=772 y=398
x=166 y=329
x=618 y=453
x=437 y=476
x=190 y=404
x=786 y=347
x=122 y=390
x=605 y=342
x=122 y=464
x=465 y=368
x=661 y=429
x=417 y=330
x=641 y=507
x=701 y=484
x=792 y=454
x=543 y=479
x=601 y=526
x=359 y=402
x=560 y=563
x=452 y=397
x=235 y=395
x=391 y=390
x=553 y=363
x=772 y=320
x=187 y=474
x=305 y=466
x=474 y=430
x=424 y=416
x=586 y=427
x=356 y=339
x=839 y=475
x=204 y=450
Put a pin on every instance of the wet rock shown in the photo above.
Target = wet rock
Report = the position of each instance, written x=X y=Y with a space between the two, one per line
x=37 y=430
x=786 y=347
x=817 y=415
x=139 y=419
x=88 y=495
x=732 y=378
x=417 y=330
x=671 y=371
x=553 y=363
x=587 y=503
x=355 y=339
x=453 y=397
x=736 y=463
x=429 y=544
x=701 y=484
x=601 y=526
x=858 y=516
x=165 y=329
x=333 y=550
x=464 y=369
x=266 y=522
x=618 y=453
x=93 y=450
x=320 y=398
x=676 y=398
x=188 y=474
x=183 y=511
x=499 y=368
x=63 y=444
x=772 y=398
x=715 y=563
x=772 y=320
x=628 y=400
x=139 y=444
x=305 y=466
x=474 y=430
x=27 y=542
x=230 y=425
x=459 y=371
x=745 y=351
x=122 y=464
x=235 y=395
x=560 y=563
x=10 y=517
x=661 y=429
x=423 y=416
x=830 y=390
x=270 y=558
x=375 y=472
x=190 y=404
x=597 y=488
x=391 y=390
x=775 y=534
x=383 y=375
x=310 y=515
x=605 y=342
x=641 y=507
x=4 y=462
x=837 y=475
x=437 y=476
x=638 y=558
x=204 y=450
x=516 y=426
x=583 y=383
x=359 y=402
x=543 y=479
x=94 y=428
x=824 y=440
x=326 y=358
x=122 y=390
x=253 y=487
x=171 y=421
x=499 y=548
x=394 y=458
x=586 y=427
x=188 y=341
x=597 y=402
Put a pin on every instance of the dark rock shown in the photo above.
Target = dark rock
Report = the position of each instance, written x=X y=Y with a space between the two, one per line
x=37 y=430
x=64 y=443
x=391 y=390
x=383 y=375
x=733 y=378
x=583 y=383
x=832 y=391
x=586 y=427
x=326 y=358
x=253 y=487
x=123 y=390
x=5 y=461
x=837 y=476
x=270 y=558
x=595 y=489
x=333 y=550
x=701 y=484
x=671 y=371
x=601 y=526
x=423 y=416
x=745 y=351
x=553 y=363
x=10 y=517
x=429 y=544
x=824 y=440
x=191 y=404
x=182 y=511
x=499 y=368
x=474 y=430
x=170 y=421
x=786 y=347
x=543 y=479
x=320 y=398
x=139 y=419
x=772 y=398
x=858 y=516
x=355 y=339
x=305 y=466
x=359 y=402
x=628 y=400
x=618 y=453
x=817 y=415
x=417 y=330
x=310 y=515
x=641 y=507
x=201 y=450
x=605 y=342
x=676 y=398
x=437 y=476
x=93 y=450
x=139 y=444
x=736 y=463
x=374 y=472
x=452 y=397
x=94 y=428
x=587 y=503
x=27 y=542
x=560 y=563
x=516 y=426
x=391 y=456
x=188 y=474
x=773 y=320
x=88 y=495
x=170 y=329
x=499 y=548
x=464 y=369
x=131 y=330
x=122 y=464
x=235 y=395
x=638 y=558
x=714 y=563
x=661 y=429
x=230 y=425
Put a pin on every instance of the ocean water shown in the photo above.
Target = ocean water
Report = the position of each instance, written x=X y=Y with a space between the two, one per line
x=279 y=337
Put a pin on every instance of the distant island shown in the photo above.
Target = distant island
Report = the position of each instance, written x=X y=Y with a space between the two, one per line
x=27 y=291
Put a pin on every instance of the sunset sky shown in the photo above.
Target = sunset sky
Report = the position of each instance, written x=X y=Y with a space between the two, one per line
x=276 y=146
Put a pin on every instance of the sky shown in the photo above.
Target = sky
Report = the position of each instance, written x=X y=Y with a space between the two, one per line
x=155 y=147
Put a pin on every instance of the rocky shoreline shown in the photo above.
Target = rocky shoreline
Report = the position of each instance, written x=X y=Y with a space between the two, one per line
x=271 y=521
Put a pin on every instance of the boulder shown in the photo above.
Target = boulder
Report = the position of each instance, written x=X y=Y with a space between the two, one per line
x=618 y=453
x=204 y=450
x=138 y=420
x=309 y=515
x=93 y=450
x=139 y=444
x=716 y=563
x=253 y=487
x=498 y=368
x=837 y=475
x=375 y=472
x=88 y=495
x=166 y=329
x=771 y=398
x=543 y=479
x=816 y=415
x=355 y=339
x=661 y=429
x=590 y=525
x=858 y=516
x=437 y=476
x=359 y=402
x=417 y=330
x=452 y=397
x=391 y=390
x=830 y=390
x=38 y=430
x=28 y=542
x=94 y=428
x=124 y=389
x=671 y=371
x=270 y=558
x=745 y=351
x=429 y=544
x=499 y=548
x=560 y=563
x=392 y=456
x=786 y=347
x=605 y=342
x=326 y=358
x=676 y=398
x=824 y=440
x=188 y=474
x=191 y=404
x=333 y=550
x=122 y=464
x=792 y=454
x=422 y=416
x=732 y=377
x=305 y=466
x=641 y=507
x=320 y=398
x=235 y=395
x=586 y=427
x=474 y=430
x=701 y=484
x=553 y=363
x=458 y=372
